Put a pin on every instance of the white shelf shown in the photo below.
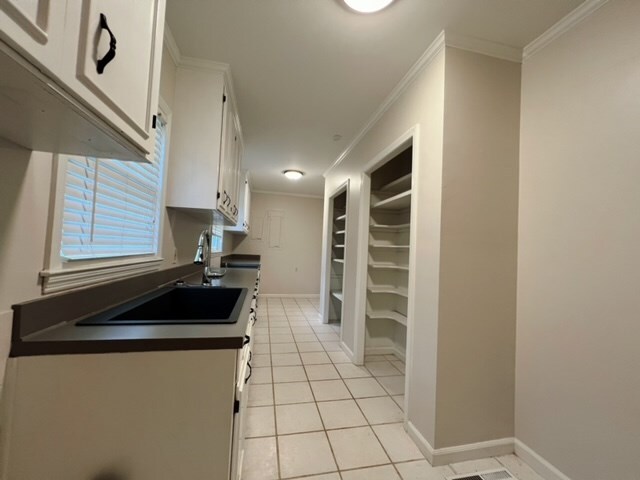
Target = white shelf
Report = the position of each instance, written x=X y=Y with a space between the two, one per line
x=338 y=260
x=341 y=217
x=396 y=247
x=386 y=289
x=397 y=202
x=398 y=185
x=388 y=228
x=337 y=295
x=390 y=314
x=389 y=266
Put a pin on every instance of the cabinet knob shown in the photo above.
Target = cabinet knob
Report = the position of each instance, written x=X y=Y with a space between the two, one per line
x=111 y=54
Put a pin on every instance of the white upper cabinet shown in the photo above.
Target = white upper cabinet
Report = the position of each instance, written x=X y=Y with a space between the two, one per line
x=114 y=61
x=35 y=29
x=244 y=208
x=205 y=145
x=229 y=162
x=99 y=61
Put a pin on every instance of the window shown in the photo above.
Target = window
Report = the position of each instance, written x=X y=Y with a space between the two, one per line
x=106 y=216
x=217 y=231
x=111 y=207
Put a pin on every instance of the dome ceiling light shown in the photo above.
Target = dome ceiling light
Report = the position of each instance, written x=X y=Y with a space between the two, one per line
x=293 y=174
x=367 y=6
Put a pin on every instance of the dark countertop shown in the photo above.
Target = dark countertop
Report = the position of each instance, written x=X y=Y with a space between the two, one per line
x=240 y=260
x=67 y=338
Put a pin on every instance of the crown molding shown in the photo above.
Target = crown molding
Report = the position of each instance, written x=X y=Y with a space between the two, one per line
x=204 y=64
x=171 y=45
x=427 y=57
x=560 y=28
x=304 y=195
x=484 y=47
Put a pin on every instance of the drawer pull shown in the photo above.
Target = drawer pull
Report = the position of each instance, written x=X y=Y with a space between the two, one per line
x=111 y=54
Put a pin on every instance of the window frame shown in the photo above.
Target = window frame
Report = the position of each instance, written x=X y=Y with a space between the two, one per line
x=60 y=274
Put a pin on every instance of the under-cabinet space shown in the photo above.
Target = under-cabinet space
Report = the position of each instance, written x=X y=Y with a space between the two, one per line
x=67 y=89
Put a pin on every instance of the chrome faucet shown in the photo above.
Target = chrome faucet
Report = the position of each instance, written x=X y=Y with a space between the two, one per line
x=203 y=254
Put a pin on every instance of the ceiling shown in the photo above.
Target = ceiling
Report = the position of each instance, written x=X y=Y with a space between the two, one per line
x=307 y=70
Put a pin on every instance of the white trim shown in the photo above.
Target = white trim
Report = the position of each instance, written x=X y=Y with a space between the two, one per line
x=410 y=137
x=484 y=47
x=421 y=442
x=360 y=290
x=266 y=192
x=560 y=28
x=54 y=281
x=204 y=64
x=473 y=451
x=427 y=57
x=290 y=295
x=325 y=286
x=543 y=467
x=347 y=351
x=171 y=45
x=460 y=453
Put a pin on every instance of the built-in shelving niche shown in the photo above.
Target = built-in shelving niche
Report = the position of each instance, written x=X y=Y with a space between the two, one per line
x=388 y=257
x=338 y=236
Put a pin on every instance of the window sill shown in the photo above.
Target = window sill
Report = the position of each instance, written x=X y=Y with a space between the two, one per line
x=54 y=281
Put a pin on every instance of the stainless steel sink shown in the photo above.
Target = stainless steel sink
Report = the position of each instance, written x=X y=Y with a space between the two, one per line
x=178 y=305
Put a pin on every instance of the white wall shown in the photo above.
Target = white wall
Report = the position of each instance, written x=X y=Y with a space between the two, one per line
x=421 y=104
x=578 y=331
x=478 y=253
x=292 y=267
x=466 y=105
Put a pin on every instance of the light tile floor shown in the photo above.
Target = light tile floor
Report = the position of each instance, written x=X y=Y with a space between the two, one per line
x=313 y=415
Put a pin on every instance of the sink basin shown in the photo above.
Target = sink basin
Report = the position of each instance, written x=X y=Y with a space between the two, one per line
x=179 y=305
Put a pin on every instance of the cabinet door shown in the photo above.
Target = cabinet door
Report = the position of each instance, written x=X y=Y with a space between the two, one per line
x=227 y=162
x=35 y=28
x=247 y=205
x=118 y=45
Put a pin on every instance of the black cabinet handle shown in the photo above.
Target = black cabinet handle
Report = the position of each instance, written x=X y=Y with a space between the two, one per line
x=250 y=372
x=111 y=54
x=247 y=339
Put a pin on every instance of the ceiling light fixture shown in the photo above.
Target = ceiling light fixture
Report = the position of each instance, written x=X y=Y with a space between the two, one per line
x=367 y=6
x=293 y=174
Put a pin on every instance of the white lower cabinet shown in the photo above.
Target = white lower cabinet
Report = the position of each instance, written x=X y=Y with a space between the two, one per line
x=128 y=416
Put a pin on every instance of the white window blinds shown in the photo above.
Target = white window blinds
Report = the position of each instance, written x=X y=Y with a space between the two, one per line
x=217 y=232
x=111 y=207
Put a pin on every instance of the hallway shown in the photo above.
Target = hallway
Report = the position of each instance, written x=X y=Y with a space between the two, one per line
x=313 y=414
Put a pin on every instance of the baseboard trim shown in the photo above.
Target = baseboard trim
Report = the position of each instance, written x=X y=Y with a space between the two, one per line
x=543 y=467
x=290 y=295
x=460 y=453
x=421 y=442
x=473 y=451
